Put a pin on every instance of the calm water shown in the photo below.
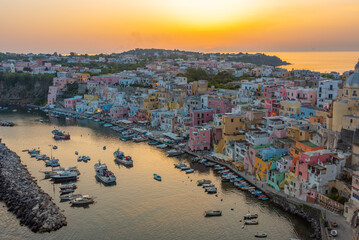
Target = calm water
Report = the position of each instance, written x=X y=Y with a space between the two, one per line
x=137 y=207
x=319 y=61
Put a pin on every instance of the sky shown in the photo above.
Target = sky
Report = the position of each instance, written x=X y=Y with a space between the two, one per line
x=107 y=26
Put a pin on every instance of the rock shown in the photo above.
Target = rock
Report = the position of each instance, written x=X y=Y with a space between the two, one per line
x=24 y=198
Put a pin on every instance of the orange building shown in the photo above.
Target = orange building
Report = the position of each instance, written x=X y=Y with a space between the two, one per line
x=316 y=119
x=302 y=146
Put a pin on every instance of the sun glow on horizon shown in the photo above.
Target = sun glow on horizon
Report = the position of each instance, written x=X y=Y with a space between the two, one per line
x=219 y=25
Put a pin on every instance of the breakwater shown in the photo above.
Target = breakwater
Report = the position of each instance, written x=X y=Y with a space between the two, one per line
x=6 y=124
x=24 y=198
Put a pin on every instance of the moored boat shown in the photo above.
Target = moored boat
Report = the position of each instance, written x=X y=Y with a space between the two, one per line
x=69 y=185
x=189 y=171
x=250 y=216
x=203 y=181
x=64 y=176
x=69 y=197
x=83 y=200
x=212 y=213
x=174 y=152
x=157 y=177
x=260 y=235
x=250 y=222
x=104 y=174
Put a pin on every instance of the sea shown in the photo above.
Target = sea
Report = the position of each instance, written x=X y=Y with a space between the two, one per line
x=324 y=62
x=137 y=207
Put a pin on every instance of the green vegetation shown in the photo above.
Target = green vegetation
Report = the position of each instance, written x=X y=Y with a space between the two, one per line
x=71 y=90
x=219 y=80
x=24 y=87
x=335 y=195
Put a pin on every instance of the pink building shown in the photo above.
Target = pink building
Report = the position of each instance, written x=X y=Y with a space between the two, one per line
x=199 y=139
x=71 y=102
x=106 y=79
x=308 y=158
x=141 y=115
x=302 y=94
x=200 y=116
x=220 y=105
x=119 y=112
x=51 y=97
x=283 y=93
x=249 y=157
x=268 y=91
x=273 y=107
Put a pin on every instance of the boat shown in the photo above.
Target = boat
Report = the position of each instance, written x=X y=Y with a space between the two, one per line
x=185 y=168
x=104 y=148
x=250 y=216
x=42 y=121
x=203 y=181
x=69 y=185
x=180 y=165
x=84 y=200
x=212 y=213
x=250 y=222
x=211 y=190
x=157 y=177
x=66 y=191
x=260 y=235
x=76 y=153
x=42 y=157
x=54 y=147
x=207 y=185
x=52 y=163
x=69 y=197
x=174 y=152
x=68 y=119
x=153 y=143
x=79 y=159
x=334 y=233
x=49 y=174
x=121 y=158
x=161 y=146
x=107 y=125
x=60 y=135
x=189 y=171
x=103 y=173
x=35 y=151
x=64 y=176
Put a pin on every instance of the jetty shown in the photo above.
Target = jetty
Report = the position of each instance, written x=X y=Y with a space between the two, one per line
x=24 y=198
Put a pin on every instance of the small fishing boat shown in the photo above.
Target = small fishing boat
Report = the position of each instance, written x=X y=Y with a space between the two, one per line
x=59 y=135
x=69 y=185
x=104 y=148
x=64 y=176
x=84 y=200
x=42 y=121
x=79 y=159
x=260 y=235
x=174 y=152
x=66 y=191
x=157 y=177
x=250 y=216
x=250 y=222
x=122 y=159
x=212 y=213
x=103 y=173
x=161 y=146
x=70 y=197
x=153 y=143
x=203 y=181
x=185 y=168
x=208 y=185
x=189 y=171
x=180 y=165
x=107 y=125
x=54 y=147
x=211 y=190
x=68 y=119
x=52 y=163
x=76 y=153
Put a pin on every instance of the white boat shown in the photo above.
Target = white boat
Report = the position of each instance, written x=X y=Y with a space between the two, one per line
x=185 y=168
x=104 y=174
x=180 y=165
x=84 y=200
x=203 y=181
x=260 y=235
x=211 y=190
x=122 y=159
x=250 y=216
x=69 y=185
x=250 y=222
x=174 y=152
x=161 y=146
x=70 y=197
x=334 y=233
x=65 y=176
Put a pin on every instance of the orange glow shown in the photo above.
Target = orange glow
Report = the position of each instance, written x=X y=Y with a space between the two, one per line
x=204 y=25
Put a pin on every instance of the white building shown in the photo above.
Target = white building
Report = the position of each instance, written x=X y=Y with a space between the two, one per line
x=328 y=90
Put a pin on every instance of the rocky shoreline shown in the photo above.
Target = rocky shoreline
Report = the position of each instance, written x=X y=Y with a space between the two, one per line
x=24 y=198
x=310 y=215
x=6 y=124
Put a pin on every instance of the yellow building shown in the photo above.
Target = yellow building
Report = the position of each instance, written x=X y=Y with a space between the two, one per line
x=289 y=108
x=298 y=134
x=233 y=126
x=346 y=109
x=89 y=97
x=150 y=103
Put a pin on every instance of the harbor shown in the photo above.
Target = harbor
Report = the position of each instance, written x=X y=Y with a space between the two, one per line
x=137 y=197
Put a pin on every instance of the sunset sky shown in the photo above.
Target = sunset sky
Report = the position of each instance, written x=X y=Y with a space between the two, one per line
x=94 y=26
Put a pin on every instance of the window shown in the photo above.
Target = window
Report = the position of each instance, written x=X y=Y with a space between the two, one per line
x=346 y=92
x=331 y=87
x=330 y=96
x=232 y=120
x=354 y=93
